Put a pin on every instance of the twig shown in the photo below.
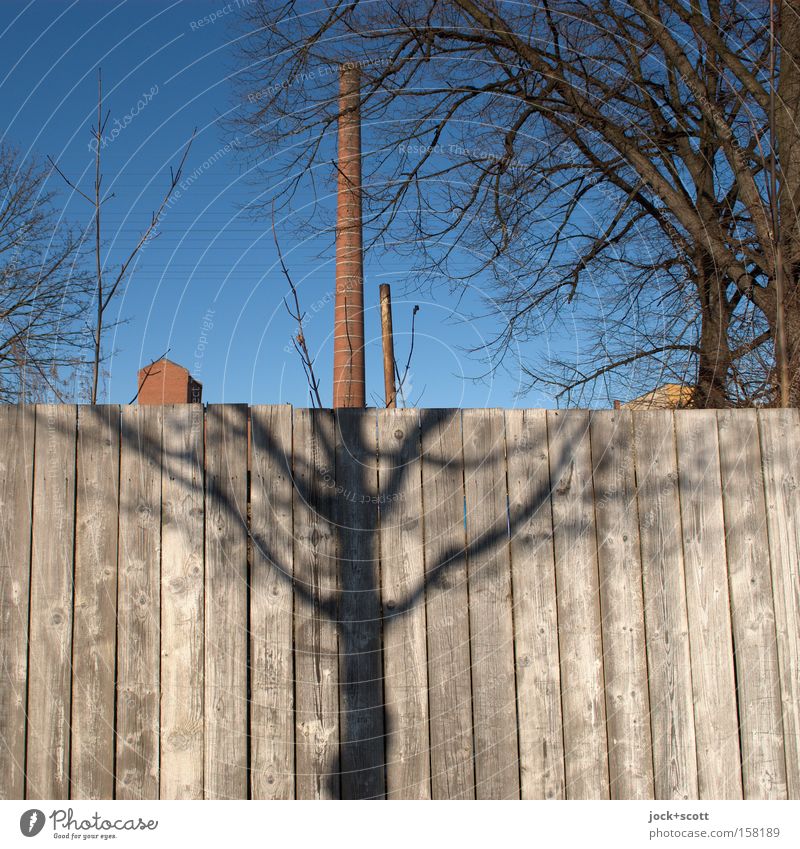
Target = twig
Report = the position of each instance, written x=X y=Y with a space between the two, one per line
x=147 y=374
x=299 y=341
x=68 y=181
x=401 y=380
x=174 y=180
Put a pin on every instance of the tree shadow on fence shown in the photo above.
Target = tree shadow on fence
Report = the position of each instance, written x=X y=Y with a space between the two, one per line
x=348 y=484
x=346 y=488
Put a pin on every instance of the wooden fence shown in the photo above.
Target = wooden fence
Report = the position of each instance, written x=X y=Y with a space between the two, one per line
x=274 y=603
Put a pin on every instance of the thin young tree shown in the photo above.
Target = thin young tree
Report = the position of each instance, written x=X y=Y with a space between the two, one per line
x=109 y=280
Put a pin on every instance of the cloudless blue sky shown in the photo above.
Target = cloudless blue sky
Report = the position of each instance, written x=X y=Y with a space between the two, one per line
x=208 y=288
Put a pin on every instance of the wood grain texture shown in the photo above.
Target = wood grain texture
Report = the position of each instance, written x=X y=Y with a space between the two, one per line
x=360 y=657
x=780 y=454
x=579 y=628
x=95 y=618
x=752 y=612
x=399 y=603
x=541 y=742
x=17 y=427
x=405 y=667
x=447 y=603
x=139 y=604
x=316 y=643
x=708 y=603
x=490 y=606
x=182 y=590
x=50 y=657
x=271 y=627
x=225 y=770
x=630 y=757
x=666 y=616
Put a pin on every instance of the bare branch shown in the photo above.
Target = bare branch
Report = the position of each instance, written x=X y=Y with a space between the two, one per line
x=299 y=340
x=147 y=375
x=402 y=379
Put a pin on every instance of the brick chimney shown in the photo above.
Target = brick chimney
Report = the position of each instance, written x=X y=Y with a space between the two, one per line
x=349 y=388
x=165 y=382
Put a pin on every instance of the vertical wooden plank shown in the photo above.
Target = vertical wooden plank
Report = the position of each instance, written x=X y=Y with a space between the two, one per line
x=271 y=656
x=490 y=604
x=16 y=497
x=315 y=637
x=360 y=661
x=666 y=617
x=182 y=586
x=50 y=658
x=541 y=742
x=139 y=602
x=225 y=712
x=95 y=629
x=780 y=444
x=449 y=673
x=752 y=612
x=580 y=641
x=630 y=755
x=408 y=774
x=708 y=603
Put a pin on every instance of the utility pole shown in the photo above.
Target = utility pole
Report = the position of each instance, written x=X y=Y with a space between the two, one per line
x=349 y=383
x=387 y=335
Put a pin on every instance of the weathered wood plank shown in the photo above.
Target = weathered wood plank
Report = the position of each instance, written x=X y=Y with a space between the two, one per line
x=17 y=424
x=139 y=594
x=182 y=586
x=271 y=629
x=708 y=603
x=405 y=670
x=579 y=627
x=490 y=603
x=752 y=612
x=360 y=661
x=630 y=756
x=315 y=636
x=95 y=626
x=666 y=617
x=541 y=742
x=50 y=658
x=226 y=603
x=780 y=445
x=449 y=676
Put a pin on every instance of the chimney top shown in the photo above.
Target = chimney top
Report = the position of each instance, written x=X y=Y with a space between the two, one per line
x=348 y=336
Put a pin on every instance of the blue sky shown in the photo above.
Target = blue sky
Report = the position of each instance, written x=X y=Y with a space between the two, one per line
x=208 y=288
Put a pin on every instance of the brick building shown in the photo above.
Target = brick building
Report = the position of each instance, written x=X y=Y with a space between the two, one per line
x=165 y=382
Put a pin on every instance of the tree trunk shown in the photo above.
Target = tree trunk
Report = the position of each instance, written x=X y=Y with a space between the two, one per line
x=714 y=357
x=792 y=332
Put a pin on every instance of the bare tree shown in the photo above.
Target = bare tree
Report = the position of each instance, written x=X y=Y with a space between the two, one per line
x=108 y=281
x=44 y=291
x=613 y=158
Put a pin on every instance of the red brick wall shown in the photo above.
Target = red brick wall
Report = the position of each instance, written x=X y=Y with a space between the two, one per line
x=164 y=383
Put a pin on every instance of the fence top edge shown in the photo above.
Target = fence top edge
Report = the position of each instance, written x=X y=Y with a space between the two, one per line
x=401 y=410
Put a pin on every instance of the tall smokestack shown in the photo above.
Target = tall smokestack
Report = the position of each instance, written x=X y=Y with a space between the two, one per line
x=349 y=389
